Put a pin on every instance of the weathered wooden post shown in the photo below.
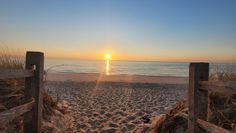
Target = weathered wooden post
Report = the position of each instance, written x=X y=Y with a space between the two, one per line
x=198 y=99
x=33 y=89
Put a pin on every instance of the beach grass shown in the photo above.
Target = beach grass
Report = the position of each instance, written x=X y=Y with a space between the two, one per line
x=223 y=75
x=222 y=109
x=11 y=90
x=10 y=61
x=12 y=95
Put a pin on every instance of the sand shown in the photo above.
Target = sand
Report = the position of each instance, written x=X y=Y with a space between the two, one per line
x=109 y=107
x=115 y=78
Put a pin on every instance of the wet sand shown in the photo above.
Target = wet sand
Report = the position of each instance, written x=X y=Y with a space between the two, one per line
x=116 y=78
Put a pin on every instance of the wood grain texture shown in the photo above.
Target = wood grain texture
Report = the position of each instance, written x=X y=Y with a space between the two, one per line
x=33 y=89
x=225 y=87
x=11 y=73
x=211 y=128
x=9 y=115
x=198 y=99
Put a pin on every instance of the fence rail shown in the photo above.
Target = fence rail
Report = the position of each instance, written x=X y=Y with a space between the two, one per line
x=32 y=110
x=11 y=73
x=225 y=87
x=198 y=98
x=9 y=115
x=211 y=127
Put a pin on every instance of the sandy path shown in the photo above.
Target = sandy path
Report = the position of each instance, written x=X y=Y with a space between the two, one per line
x=110 y=107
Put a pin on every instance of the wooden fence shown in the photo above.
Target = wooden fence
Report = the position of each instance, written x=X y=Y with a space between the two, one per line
x=198 y=98
x=32 y=110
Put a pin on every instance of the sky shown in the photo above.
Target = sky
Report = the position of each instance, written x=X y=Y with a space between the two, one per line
x=153 y=30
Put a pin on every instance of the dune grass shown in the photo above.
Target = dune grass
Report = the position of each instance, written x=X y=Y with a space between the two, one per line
x=12 y=94
x=10 y=61
x=222 y=109
x=223 y=75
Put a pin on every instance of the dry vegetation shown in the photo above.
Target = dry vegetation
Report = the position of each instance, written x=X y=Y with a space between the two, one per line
x=223 y=107
x=11 y=91
x=222 y=110
x=10 y=61
x=12 y=95
x=223 y=75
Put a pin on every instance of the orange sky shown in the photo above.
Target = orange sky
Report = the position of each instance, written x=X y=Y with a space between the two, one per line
x=117 y=55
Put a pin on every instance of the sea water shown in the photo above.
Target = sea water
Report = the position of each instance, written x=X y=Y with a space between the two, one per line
x=112 y=67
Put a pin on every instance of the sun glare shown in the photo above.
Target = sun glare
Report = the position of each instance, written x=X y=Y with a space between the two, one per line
x=108 y=56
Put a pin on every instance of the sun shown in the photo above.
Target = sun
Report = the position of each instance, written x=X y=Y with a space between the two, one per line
x=108 y=56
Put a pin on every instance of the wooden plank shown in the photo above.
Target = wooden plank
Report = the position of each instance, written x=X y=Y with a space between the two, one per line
x=14 y=73
x=212 y=128
x=9 y=115
x=198 y=99
x=225 y=87
x=33 y=89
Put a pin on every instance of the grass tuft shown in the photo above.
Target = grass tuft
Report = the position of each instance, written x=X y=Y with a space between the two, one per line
x=10 y=61
x=222 y=109
x=223 y=75
x=12 y=93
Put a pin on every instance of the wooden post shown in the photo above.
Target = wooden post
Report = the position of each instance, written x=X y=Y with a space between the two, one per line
x=33 y=89
x=198 y=99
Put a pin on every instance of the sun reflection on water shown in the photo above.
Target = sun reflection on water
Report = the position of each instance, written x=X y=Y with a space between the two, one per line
x=108 y=67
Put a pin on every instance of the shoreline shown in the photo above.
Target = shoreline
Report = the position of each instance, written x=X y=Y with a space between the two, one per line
x=87 y=77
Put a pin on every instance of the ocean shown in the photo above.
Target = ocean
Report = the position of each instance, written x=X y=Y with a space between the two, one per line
x=152 y=68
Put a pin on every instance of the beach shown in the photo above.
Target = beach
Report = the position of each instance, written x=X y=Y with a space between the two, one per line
x=86 y=77
x=115 y=103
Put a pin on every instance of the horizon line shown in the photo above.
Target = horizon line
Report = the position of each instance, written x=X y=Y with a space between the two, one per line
x=171 y=61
